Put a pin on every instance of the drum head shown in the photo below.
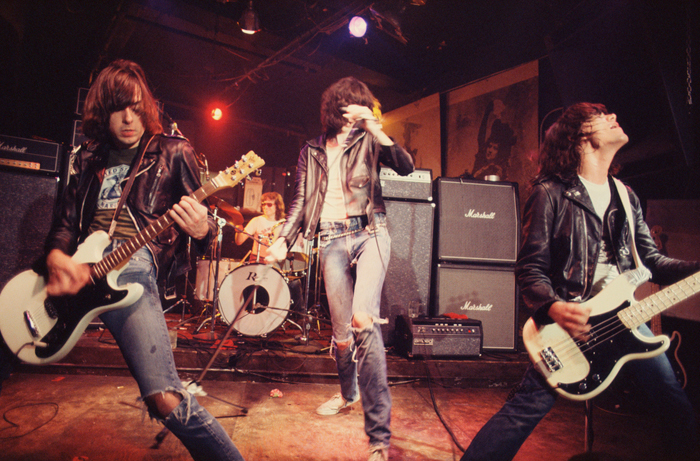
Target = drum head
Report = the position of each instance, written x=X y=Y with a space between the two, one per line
x=269 y=299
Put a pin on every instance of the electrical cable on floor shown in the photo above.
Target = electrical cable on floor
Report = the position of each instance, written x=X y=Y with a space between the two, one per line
x=437 y=410
x=17 y=426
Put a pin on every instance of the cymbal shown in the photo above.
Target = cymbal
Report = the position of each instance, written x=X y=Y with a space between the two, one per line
x=228 y=212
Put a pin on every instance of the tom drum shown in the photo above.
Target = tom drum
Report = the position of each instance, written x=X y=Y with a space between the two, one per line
x=270 y=299
x=204 y=288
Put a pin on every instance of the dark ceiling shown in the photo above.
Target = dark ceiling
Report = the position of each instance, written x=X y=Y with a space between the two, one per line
x=196 y=56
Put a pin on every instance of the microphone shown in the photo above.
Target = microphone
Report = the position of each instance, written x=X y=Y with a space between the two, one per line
x=353 y=131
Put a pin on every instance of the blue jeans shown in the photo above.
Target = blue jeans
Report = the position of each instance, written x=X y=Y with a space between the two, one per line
x=141 y=332
x=354 y=267
x=501 y=437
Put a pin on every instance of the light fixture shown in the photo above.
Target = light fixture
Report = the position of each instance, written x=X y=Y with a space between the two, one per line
x=249 y=22
x=216 y=114
x=357 y=27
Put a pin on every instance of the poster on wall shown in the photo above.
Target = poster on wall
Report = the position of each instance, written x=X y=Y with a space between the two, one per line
x=416 y=127
x=492 y=129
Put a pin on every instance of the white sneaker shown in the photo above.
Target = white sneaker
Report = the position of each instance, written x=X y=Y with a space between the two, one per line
x=334 y=405
x=379 y=454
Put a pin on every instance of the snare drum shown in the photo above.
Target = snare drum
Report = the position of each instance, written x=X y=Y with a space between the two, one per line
x=297 y=259
x=204 y=287
x=295 y=265
x=269 y=299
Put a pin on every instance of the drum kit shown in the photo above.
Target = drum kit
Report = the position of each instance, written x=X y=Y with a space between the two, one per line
x=252 y=297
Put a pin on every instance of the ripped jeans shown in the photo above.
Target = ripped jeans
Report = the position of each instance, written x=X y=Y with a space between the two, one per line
x=354 y=261
x=142 y=335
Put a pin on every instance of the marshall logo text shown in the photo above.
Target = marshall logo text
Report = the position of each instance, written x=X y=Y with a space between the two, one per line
x=468 y=306
x=483 y=215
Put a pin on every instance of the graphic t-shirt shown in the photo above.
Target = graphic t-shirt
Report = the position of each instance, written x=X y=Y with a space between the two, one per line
x=115 y=176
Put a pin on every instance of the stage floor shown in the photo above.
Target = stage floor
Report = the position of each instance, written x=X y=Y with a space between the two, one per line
x=85 y=407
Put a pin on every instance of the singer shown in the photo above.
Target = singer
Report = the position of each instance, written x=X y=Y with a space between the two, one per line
x=338 y=190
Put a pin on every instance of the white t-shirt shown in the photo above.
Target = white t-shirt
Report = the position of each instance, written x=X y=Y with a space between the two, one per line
x=334 y=202
x=265 y=230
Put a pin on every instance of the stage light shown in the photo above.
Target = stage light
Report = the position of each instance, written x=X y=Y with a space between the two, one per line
x=249 y=22
x=216 y=114
x=357 y=27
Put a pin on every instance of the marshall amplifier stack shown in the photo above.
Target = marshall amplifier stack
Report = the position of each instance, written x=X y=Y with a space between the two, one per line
x=477 y=240
x=438 y=337
x=30 y=183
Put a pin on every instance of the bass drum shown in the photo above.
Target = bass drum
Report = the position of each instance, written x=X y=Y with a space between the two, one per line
x=269 y=304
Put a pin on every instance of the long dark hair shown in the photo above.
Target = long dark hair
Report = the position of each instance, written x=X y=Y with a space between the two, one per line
x=117 y=87
x=560 y=155
x=279 y=203
x=345 y=91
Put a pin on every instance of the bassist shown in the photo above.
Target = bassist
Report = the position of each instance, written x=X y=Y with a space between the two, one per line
x=576 y=239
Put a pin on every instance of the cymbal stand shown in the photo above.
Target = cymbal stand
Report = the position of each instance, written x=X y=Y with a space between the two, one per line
x=215 y=301
x=183 y=301
x=312 y=313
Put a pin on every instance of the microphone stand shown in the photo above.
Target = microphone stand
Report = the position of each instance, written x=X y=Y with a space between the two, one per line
x=217 y=250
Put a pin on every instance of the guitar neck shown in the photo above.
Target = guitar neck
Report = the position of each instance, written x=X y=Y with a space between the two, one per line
x=642 y=311
x=135 y=243
x=225 y=179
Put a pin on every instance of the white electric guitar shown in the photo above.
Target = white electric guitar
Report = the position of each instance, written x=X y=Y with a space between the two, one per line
x=581 y=368
x=41 y=329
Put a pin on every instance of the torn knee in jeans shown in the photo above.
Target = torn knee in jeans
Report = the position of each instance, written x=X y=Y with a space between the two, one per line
x=340 y=345
x=362 y=321
x=161 y=404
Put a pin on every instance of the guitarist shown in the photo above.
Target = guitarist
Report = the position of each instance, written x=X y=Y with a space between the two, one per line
x=121 y=117
x=576 y=239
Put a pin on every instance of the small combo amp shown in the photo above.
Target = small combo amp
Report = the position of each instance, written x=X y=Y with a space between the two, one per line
x=438 y=337
x=416 y=186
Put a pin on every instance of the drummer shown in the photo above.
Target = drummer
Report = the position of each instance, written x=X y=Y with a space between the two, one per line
x=265 y=227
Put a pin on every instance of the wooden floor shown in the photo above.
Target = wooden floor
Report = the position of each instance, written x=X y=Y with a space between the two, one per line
x=85 y=408
x=95 y=417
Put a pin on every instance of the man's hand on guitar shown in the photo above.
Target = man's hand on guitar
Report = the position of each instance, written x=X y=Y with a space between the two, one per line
x=572 y=317
x=191 y=216
x=66 y=277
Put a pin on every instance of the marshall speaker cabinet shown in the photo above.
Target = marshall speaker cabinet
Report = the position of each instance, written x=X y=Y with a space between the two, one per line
x=478 y=221
x=481 y=292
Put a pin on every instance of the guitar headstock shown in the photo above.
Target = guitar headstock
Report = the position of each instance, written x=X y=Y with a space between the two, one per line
x=232 y=175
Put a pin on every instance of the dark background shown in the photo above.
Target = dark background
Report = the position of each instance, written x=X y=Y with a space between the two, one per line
x=634 y=56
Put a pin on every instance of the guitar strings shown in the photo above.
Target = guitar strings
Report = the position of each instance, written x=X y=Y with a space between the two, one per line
x=609 y=328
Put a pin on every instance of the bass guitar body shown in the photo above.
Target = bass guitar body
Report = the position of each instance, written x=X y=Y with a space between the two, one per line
x=581 y=368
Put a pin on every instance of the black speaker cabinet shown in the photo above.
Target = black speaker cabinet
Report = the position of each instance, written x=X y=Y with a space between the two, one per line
x=485 y=293
x=407 y=285
x=27 y=203
x=478 y=221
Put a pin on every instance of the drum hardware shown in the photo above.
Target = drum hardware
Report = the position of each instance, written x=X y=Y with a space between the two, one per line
x=183 y=300
x=217 y=251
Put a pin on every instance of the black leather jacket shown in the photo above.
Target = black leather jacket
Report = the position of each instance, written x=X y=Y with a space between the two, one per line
x=168 y=171
x=363 y=193
x=561 y=242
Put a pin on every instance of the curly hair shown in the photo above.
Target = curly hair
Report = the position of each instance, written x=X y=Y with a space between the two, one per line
x=118 y=86
x=279 y=203
x=345 y=91
x=560 y=155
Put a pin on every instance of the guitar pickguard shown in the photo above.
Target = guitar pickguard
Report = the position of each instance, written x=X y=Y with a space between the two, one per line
x=71 y=310
x=606 y=356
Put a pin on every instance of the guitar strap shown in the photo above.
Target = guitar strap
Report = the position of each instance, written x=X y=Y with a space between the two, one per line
x=125 y=192
x=624 y=196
